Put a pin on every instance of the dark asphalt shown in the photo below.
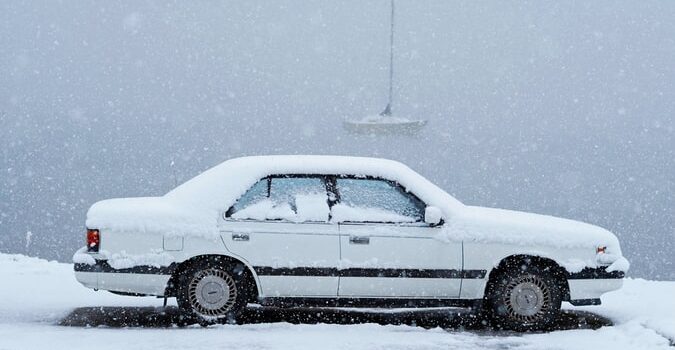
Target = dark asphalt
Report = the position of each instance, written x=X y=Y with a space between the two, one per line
x=450 y=319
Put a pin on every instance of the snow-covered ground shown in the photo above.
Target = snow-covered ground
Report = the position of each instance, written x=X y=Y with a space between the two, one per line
x=37 y=295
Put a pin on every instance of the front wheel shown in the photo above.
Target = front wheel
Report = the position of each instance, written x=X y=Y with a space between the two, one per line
x=212 y=292
x=524 y=298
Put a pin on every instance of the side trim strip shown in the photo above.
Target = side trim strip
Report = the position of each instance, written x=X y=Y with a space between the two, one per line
x=296 y=271
x=104 y=267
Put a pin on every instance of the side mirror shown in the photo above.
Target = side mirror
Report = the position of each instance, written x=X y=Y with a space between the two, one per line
x=433 y=216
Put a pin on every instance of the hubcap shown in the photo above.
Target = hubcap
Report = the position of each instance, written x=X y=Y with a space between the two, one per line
x=528 y=298
x=212 y=292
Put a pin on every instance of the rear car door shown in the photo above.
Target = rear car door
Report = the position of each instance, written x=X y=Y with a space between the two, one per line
x=281 y=227
x=386 y=248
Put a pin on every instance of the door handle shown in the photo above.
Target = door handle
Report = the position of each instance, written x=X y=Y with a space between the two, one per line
x=359 y=240
x=240 y=236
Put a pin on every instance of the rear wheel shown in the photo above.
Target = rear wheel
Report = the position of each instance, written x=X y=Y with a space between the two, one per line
x=525 y=297
x=213 y=291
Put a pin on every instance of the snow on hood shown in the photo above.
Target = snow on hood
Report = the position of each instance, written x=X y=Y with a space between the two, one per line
x=491 y=225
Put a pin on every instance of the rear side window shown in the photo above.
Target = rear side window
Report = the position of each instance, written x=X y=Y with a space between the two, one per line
x=295 y=199
x=375 y=200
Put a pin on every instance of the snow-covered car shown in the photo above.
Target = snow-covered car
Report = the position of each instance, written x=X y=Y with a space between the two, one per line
x=341 y=231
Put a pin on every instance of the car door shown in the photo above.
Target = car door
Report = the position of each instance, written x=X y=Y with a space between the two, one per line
x=386 y=248
x=281 y=227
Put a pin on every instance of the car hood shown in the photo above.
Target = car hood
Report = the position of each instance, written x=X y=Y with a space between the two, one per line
x=514 y=227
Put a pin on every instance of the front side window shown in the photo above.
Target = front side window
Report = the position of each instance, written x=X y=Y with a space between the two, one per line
x=375 y=200
x=296 y=199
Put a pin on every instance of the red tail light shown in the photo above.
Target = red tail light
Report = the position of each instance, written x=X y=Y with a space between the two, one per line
x=93 y=240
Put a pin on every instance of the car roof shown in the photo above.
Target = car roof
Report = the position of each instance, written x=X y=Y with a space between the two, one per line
x=220 y=186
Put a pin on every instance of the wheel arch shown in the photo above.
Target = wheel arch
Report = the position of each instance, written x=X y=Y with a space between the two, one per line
x=172 y=285
x=518 y=260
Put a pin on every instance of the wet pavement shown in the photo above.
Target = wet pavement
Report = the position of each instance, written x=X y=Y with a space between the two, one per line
x=452 y=319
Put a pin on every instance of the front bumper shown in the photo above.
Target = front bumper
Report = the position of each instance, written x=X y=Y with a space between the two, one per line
x=587 y=285
x=587 y=289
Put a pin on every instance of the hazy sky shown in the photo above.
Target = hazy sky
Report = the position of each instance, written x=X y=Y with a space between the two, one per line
x=560 y=108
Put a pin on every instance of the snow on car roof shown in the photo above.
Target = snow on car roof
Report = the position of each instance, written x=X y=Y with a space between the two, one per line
x=219 y=187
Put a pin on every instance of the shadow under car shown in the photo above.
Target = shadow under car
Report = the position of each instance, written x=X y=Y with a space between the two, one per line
x=447 y=318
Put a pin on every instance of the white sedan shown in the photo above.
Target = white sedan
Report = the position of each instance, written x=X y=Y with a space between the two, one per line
x=342 y=231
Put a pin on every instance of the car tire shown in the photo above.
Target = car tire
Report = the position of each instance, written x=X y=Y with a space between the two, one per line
x=213 y=291
x=524 y=297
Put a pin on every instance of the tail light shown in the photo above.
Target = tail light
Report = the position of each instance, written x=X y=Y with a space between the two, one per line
x=601 y=250
x=93 y=240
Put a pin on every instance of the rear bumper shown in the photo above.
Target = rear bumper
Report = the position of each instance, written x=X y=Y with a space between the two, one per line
x=147 y=280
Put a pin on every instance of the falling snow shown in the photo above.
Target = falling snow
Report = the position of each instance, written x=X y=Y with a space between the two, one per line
x=563 y=109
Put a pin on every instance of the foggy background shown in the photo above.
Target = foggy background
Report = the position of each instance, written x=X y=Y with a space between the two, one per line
x=560 y=108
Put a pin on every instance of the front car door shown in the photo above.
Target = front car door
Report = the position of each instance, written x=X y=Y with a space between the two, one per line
x=387 y=251
x=281 y=227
